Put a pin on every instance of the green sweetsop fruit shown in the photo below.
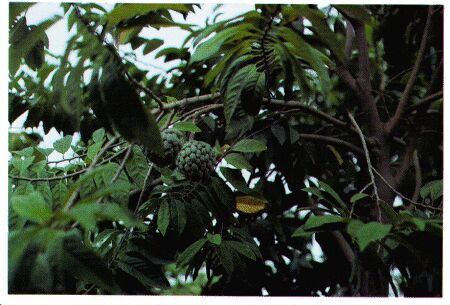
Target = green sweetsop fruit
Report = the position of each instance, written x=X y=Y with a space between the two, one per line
x=196 y=160
x=172 y=140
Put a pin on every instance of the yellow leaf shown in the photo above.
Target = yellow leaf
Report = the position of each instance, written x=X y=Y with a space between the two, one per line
x=250 y=204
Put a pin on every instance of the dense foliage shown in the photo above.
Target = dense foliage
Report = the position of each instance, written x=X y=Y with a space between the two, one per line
x=300 y=129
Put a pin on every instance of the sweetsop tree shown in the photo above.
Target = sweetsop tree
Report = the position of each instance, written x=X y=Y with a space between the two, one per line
x=313 y=167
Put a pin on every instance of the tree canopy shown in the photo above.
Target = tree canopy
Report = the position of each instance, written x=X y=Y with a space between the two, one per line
x=279 y=133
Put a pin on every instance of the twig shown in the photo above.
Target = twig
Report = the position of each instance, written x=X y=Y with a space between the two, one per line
x=68 y=175
x=190 y=100
x=360 y=192
x=170 y=118
x=141 y=195
x=369 y=164
x=332 y=140
x=122 y=164
x=402 y=196
x=426 y=100
x=80 y=156
x=128 y=231
x=418 y=172
x=412 y=79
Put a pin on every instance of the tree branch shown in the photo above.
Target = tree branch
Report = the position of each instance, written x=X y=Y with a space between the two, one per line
x=68 y=175
x=331 y=140
x=349 y=37
x=364 y=86
x=369 y=164
x=425 y=101
x=412 y=79
x=418 y=172
x=75 y=194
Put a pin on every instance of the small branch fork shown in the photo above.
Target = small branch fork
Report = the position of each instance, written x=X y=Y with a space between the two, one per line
x=369 y=164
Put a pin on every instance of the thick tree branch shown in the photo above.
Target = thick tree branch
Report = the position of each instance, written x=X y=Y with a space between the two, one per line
x=364 y=86
x=393 y=122
x=349 y=37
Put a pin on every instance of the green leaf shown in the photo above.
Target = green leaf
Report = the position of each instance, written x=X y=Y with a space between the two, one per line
x=234 y=176
x=189 y=253
x=211 y=47
x=137 y=166
x=238 y=161
x=226 y=257
x=186 y=126
x=235 y=87
x=314 y=191
x=327 y=188
x=215 y=239
x=249 y=145
x=354 y=226
x=253 y=92
x=205 y=32
x=279 y=133
x=85 y=178
x=22 y=164
x=32 y=207
x=406 y=217
x=108 y=189
x=88 y=214
x=358 y=196
x=152 y=45
x=99 y=135
x=163 y=217
x=21 y=47
x=322 y=29
x=93 y=150
x=316 y=222
x=434 y=189
x=178 y=213
x=62 y=145
x=355 y=11
x=129 y=10
x=84 y=264
x=143 y=272
x=17 y=8
x=314 y=57
x=242 y=248
x=59 y=193
x=364 y=234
